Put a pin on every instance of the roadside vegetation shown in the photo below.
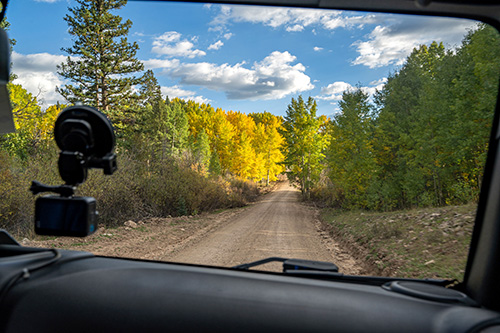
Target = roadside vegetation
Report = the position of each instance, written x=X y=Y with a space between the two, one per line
x=422 y=140
x=417 y=243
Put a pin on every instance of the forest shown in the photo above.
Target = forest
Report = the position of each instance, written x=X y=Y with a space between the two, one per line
x=420 y=141
x=424 y=138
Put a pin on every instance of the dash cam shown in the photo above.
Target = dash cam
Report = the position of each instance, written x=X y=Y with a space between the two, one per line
x=87 y=141
x=60 y=216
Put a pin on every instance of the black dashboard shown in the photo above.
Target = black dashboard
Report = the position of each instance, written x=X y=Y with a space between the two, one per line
x=83 y=293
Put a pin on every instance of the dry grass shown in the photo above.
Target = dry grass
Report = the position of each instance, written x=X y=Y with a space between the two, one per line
x=419 y=243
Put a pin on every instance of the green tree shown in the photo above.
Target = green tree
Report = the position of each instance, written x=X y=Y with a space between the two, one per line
x=215 y=168
x=150 y=91
x=201 y=151
x=431 y=134
x=350 y=155
x=474 y=90
x=409 y=131
x=305 y=143
x=101 y=62
x=177 y=126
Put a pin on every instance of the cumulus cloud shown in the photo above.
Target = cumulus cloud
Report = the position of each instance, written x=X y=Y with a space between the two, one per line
x=176 y=91
x=215 y=46
x=272 y=78
x=37 y=74
x=391 y=44
x=333 y=92
x=317 y=49
x=171 y=44
x=293 y=19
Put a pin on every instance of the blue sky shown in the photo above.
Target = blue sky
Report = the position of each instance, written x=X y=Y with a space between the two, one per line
x=239 y=58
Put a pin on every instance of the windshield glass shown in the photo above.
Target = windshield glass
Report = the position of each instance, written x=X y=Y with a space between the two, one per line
x=247 y=132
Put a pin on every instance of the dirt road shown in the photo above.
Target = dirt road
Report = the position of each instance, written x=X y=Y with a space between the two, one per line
x=278 y=225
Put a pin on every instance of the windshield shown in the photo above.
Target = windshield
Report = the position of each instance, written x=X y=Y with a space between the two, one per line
x=247 y=132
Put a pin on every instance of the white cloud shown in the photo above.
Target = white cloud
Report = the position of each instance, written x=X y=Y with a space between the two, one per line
x=272 y=78
x=293 y=19
x=171 y=44
x=296 y=27
x=37 y=74
x=390 y=42
x=378 y=82
x=333 y=92
x=228 y=35
x=176 y=91
x=374 y=86
x=160 y=63
x=317 y=49
x=391 y=45
x=215 y=46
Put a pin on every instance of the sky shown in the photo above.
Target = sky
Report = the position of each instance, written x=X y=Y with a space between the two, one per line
x=240 y=58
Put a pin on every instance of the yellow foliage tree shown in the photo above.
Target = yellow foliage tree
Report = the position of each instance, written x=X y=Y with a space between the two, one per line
x=33 y=126
x=245 y=145
x=268 y=144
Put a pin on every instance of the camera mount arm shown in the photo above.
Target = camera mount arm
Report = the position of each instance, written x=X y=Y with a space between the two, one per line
x=62 y=190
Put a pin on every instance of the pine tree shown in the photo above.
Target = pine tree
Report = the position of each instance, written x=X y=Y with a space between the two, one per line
x=150 y=92
x=101 y=61
x=177 y=126
x=201 y=151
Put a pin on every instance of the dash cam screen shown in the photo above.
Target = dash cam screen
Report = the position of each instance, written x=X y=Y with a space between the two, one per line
x=56 y=215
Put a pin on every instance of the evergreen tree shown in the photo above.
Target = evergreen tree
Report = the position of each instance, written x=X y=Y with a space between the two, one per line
x=215 y=167
x=150 y=91
x=201 y=151
x=101 y=61
x=177 y=126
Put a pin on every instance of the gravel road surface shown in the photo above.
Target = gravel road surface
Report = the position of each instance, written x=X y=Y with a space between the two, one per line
x=277 y=226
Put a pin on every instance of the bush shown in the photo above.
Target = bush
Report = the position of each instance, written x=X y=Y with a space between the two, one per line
x=242 y=191
x=326 y=195
x=17 y=203
x=137 y=190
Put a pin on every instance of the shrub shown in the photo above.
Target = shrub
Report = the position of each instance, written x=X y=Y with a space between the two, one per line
x=138 y=189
